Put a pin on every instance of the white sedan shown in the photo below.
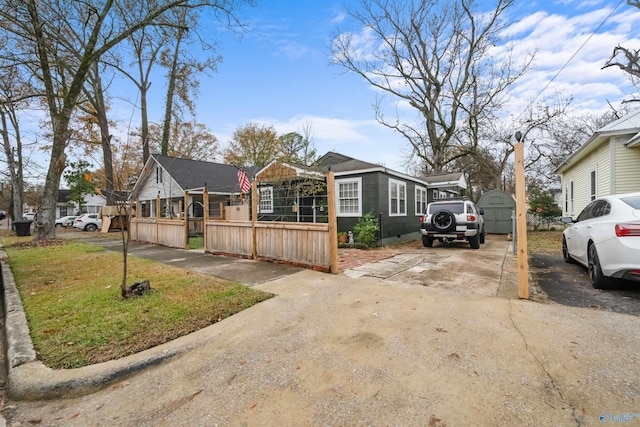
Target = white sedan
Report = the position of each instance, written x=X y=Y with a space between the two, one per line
x=605 y=238
x=88 y=222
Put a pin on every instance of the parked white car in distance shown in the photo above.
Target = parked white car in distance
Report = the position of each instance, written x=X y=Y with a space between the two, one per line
x=65 y=221
x=605 y=238
x=88 y=222
x=28 y=216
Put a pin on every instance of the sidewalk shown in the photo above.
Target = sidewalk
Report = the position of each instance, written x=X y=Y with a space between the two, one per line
x=333 y=350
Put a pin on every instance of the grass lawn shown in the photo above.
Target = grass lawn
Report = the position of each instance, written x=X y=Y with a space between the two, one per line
x=71 y=295
x=546 y=242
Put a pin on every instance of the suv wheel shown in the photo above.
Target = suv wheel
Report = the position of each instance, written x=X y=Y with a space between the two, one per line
x=482 y=235
x=474 y=242
x=443 y=221
x=91 y=227
x=427 y=241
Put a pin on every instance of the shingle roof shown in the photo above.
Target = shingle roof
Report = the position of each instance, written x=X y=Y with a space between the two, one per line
x=190 y=174
x=630 y=123
x=341 y=163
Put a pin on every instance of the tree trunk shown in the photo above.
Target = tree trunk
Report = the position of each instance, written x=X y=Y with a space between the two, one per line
x=173 y=73
x=144 y=125
x=15 y=168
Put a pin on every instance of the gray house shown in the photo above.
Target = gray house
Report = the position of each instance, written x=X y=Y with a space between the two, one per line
x=397 y=200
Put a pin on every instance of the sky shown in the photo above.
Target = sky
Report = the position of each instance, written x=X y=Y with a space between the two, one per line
x=279 y=73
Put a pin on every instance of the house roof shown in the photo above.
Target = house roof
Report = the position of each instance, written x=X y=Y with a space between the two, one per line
x=627 y=125
x=279 y=170
x=63 y=196
x=344 y=165
x=444 y=178
x=195 y=174
x=341 y=163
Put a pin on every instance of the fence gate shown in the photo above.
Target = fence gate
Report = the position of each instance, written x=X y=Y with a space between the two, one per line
x=195 y=225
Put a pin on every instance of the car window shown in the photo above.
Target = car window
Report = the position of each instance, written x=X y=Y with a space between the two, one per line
x=586 y=212
x=600 y=208
x=634 y=201
x=453 y=207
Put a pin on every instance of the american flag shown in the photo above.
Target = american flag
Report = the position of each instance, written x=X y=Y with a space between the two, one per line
x=243 y=180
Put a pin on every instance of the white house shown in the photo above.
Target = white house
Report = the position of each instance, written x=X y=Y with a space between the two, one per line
x=608 y=163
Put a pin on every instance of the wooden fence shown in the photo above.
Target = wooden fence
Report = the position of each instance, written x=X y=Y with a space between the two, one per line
x=309 y=245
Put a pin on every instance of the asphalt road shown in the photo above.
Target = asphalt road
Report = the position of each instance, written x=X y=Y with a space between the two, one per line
x=569 y=284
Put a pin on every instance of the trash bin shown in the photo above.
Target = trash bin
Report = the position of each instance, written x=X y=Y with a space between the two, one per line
x=23 y=228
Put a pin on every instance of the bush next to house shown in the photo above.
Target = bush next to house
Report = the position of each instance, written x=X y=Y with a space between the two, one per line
x=543 y=207
x=366 y=230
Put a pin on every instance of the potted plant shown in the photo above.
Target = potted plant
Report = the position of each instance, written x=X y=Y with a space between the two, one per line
x=343 y=237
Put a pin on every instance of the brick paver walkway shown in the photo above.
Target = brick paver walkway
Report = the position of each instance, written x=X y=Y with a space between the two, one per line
x=350 y=258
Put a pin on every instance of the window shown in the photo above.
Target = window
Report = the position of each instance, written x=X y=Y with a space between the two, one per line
x=349 y=195
x=434 y=194
x=266 y=200
x=593 y=185
x=421 y=200
x=397 y=198
x=571 y=197
x=566 y=198
x=158 y=174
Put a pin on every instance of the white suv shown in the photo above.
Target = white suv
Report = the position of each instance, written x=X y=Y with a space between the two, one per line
x=453 y=219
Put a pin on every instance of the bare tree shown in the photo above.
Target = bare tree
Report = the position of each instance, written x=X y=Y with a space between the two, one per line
x=95 y=93
x=12 y=99
x=432 y=58
x=627 y=59
x=61 y=41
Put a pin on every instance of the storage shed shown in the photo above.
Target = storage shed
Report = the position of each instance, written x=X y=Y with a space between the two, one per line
x=498 y=208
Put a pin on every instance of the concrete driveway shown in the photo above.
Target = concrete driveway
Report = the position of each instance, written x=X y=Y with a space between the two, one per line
x=336 y=350
x=450 y=267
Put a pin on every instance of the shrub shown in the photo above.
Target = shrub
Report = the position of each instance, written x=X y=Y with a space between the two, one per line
x=366 y=230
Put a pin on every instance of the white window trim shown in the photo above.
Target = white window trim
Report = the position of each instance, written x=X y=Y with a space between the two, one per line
x=337 y=191
x=594 y=195
x=395 y=182
x=423 y=198
x=572 y=192
x=269 y=190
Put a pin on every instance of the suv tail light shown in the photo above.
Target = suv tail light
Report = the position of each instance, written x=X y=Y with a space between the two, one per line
x=623 y=230
x=471 y=218
x=423 y=218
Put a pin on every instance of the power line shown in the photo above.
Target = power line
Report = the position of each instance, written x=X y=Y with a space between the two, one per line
x=572 y=57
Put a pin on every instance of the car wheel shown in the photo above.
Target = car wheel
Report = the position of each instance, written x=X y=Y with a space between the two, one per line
x=474 y=242
x=58 y=225
x=427 y=241
x=482 y=236
x=598 y=280
x=443 y=221
x=565 y=253
x=91 y=227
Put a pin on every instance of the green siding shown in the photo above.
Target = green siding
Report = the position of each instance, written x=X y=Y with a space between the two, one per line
x=375 y=195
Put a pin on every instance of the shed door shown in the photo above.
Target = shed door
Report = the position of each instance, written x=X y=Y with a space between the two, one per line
x=497 y=220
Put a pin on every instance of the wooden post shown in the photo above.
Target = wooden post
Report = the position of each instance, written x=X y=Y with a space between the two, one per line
x=333 y=223
x=186 y=220
x=222 y=212
x=521 y=222
x=158 y=216
x=254 y=217
x=205 y=202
